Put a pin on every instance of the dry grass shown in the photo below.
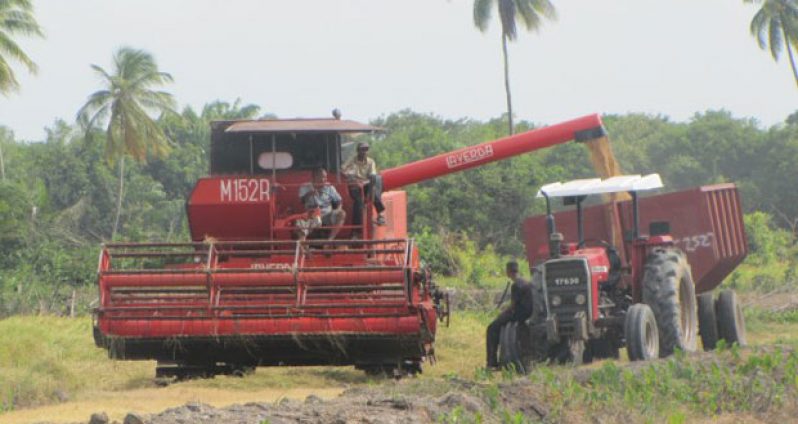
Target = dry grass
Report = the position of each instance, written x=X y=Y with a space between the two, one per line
x=44 y=358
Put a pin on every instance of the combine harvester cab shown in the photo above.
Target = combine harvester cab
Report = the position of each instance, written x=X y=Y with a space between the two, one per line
x=245 y=292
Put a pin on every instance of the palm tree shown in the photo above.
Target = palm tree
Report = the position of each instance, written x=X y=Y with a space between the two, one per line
x=16 y=17
x=126 y=103
x=528 y=12
x=775 y=25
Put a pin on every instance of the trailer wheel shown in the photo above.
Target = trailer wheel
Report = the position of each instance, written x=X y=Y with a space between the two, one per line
x=731 y=324
x=707 y=321
x=640 y=330
x=669 y=290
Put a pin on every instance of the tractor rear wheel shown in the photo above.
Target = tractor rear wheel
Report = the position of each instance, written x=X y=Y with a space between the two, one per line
x=640 y=331
x=707 y=322
x=731 y=324
x=669 y=290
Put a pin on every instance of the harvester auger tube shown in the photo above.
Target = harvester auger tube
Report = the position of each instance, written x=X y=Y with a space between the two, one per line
x=581 y=129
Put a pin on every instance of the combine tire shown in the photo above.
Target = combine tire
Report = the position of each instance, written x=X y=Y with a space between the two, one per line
x=707 y=323
x=640 y=330
x=668 y=289
x=731 y=324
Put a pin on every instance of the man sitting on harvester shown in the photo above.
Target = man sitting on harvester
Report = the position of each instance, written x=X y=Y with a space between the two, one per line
x=323 y=205
x=361 y=170
x=521 y=307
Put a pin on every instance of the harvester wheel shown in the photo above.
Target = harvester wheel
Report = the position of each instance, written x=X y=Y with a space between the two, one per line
x=669 y=290
x=730 y=318
x=707 y=322
x=640 y=331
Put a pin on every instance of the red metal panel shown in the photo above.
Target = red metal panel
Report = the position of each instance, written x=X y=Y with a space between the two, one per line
x=396 y=216
x=706 y=223
x=231 y=208
x=271 y=326
x=472 y=156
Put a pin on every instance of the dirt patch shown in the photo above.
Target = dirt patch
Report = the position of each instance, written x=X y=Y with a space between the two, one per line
x=775 y=301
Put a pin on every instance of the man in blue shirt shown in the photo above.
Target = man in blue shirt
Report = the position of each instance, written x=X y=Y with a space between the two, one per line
x=323 y=204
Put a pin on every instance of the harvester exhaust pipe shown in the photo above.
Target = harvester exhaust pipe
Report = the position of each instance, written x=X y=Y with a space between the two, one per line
x=555 y=238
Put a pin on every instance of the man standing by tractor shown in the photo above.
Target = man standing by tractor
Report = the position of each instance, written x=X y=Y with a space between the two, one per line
x=521 y=307
x=361 y=170
x=323 y=205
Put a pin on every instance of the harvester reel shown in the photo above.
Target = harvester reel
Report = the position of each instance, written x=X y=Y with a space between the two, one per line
x=669 y=290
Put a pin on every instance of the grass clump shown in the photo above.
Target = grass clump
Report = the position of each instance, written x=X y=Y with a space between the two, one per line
x=45 y=359
x=672 y=390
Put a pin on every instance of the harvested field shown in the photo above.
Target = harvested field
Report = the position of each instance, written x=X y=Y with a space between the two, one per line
x=756 y=384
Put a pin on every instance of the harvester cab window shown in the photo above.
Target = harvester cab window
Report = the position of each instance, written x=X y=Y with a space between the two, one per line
x=275 y=160
x=245 y=154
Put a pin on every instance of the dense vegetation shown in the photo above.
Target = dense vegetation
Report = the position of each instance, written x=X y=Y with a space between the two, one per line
x=58 y=197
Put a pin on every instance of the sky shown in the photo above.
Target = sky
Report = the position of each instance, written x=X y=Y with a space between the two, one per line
x=369 y=58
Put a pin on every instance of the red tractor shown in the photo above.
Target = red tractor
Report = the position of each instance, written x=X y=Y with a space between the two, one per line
x=247 y=291
x=612 y=285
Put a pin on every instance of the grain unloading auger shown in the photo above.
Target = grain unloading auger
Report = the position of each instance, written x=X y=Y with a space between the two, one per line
x=245 y=292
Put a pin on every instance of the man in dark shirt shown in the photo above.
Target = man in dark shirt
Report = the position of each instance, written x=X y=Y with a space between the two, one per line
x=521 y=307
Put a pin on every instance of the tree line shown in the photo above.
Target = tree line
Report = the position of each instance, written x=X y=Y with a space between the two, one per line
x=60 y=198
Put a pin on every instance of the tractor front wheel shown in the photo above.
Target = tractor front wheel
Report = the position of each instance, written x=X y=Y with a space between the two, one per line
x=707 y=321
x=731 y=324
x=669 y=290
x=640 y=331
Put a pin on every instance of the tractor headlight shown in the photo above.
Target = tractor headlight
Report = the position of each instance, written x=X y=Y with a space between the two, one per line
x=556 y=300
x=580 y=299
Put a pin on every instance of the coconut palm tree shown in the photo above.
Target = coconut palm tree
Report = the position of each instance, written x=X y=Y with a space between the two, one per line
x=527 y=12
x=16 y=18
x=775 y=26
x=127 y=102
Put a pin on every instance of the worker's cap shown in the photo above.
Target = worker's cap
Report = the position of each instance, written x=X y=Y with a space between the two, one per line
x=363 y=145
x=512 y=266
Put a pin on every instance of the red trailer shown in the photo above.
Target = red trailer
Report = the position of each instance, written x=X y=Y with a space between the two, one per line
x=705 y=222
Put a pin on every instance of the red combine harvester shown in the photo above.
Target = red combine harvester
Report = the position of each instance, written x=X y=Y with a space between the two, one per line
x=611 y=285
x=245 y=292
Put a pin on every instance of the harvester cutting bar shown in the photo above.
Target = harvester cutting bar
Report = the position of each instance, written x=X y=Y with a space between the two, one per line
x=256 y=279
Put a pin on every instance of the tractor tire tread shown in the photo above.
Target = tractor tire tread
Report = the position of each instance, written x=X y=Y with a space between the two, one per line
x=666 y=269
